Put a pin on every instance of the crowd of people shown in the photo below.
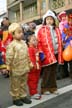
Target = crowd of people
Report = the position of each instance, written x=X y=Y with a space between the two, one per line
x=5 y=39
x=27 y=55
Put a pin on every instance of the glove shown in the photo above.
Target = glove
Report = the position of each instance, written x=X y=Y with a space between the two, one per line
x=42 y=56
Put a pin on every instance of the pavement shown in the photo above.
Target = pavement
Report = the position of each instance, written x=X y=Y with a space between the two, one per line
x=63 y=100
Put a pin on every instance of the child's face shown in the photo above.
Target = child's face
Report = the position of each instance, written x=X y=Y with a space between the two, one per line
x=64 y=18
x=49 y=20
x=18 y=33
x=33 y=41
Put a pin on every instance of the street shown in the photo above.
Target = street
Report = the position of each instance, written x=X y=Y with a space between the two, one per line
x=63 y=100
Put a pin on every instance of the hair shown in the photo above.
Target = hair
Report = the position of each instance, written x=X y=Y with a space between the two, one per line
x=28 y=38
x=1 y=34
x=2 y=24
x=54 y=24
x=6 y=18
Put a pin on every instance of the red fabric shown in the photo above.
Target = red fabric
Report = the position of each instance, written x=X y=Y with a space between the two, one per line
x=2 y=50
x=46 y=46
x=34 y=74
x=5 y=39
x=8 y=40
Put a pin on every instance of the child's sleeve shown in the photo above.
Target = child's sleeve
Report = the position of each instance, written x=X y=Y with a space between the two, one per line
x=29 y=62
x=39 y=38
x=9 y=55
x=31 y=65
x=63 y=37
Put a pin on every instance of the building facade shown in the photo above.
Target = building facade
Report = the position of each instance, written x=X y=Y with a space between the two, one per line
x=27 y=10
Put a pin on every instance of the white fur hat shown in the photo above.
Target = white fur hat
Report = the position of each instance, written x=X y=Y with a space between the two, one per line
x=49 y=13
x=13 y=27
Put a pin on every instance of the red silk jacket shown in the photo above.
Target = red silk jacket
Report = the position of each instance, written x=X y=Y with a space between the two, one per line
x=45 y=45
x=32 y=54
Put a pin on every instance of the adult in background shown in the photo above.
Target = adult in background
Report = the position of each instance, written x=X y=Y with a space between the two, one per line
x=6 y=37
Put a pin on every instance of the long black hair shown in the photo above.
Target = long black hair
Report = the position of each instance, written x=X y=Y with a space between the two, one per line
x=29 y=37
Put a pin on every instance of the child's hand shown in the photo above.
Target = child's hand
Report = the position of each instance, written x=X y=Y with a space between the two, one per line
x=37 y=65
x=8 y=68
x=31 y=65
x=37 y=57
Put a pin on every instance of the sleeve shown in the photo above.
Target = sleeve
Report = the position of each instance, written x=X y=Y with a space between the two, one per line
x=39 y=41
x=29 y=60
x=31 y=55
x=63 y=37
x=9 y=55
x=61 y=27
x=34 y=58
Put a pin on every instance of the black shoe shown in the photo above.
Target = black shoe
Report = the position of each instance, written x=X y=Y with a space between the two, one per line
x=26 y=100
x=18 y=102
x=6 y=75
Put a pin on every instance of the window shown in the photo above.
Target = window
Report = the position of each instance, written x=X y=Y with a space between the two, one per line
x=43 y=6
x=54 y=4
x=30 y=11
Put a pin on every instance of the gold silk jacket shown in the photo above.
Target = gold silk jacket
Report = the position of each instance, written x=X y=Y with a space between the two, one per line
x=17 y=58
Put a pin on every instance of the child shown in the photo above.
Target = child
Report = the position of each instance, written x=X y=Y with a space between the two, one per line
x=67 y=39
x=19 y=64
x=34 y=74
x=63 y=20
x=50 y=43
x=62 y=16
x=67 y=32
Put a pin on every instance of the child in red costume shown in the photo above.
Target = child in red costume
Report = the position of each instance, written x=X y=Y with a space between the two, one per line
x=34 y=74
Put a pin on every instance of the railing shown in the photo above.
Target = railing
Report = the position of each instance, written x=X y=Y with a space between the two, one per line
x=29 y=15
x=54 y=4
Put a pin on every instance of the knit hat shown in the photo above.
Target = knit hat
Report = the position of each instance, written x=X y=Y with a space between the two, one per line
x=13 y=27
x=49 y=13
x=61 y=14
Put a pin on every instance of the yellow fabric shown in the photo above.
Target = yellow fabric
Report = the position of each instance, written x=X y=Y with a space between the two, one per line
x=5 y=35
x=13 y=27
x=8 y=67
x=18 y=86
x=17 y=57
x=3 y=66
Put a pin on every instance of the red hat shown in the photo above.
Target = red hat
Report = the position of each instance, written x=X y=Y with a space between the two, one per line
x=61 y=14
